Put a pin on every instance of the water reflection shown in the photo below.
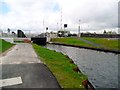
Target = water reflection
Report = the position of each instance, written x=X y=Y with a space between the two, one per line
x=101 y=68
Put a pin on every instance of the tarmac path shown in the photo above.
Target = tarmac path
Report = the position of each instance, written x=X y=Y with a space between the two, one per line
x=89 y=42
x=23 y=62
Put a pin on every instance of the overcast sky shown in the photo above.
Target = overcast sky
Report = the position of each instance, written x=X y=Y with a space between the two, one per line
x=94 y=15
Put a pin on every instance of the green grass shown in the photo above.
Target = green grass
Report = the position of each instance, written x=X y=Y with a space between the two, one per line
x=106 y=43
x=71 y=41
x=61 y=67
x=4 y=45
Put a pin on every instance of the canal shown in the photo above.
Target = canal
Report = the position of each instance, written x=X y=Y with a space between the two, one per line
x=100 y=67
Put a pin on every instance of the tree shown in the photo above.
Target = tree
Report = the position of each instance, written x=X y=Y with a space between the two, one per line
x=8 y=31
x=104 y=32
x=109 y=32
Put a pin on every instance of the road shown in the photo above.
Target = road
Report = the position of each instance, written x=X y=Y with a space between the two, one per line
x=23 y=62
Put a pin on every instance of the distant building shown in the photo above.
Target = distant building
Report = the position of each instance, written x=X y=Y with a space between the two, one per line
x=13 y=34
x=52 y=35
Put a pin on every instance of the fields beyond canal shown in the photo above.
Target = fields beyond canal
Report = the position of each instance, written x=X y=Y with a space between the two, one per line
x=111 y=44
x=61 y=67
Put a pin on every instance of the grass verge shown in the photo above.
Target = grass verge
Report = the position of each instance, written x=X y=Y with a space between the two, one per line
x=4 y=45
x=61 y=67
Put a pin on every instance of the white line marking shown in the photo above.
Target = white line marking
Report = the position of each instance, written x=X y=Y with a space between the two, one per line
x=10 y=81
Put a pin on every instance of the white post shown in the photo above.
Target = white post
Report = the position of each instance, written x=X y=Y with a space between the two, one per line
x=79 y=31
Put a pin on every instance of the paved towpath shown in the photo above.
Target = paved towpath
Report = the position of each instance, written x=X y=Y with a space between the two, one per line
x=89 y=42
x=23 y=62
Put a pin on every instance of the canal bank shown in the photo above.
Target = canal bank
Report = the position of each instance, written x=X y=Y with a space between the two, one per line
x=86 y=47
x=66 y=72
x=100 y=67
x=22 y=59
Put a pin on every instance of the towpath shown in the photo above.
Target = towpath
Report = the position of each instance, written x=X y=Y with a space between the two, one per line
x=89 y=42
x=21 y=68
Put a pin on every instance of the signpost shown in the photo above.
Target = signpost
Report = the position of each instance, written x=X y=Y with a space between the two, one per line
x=46 y=31
x=65 y=26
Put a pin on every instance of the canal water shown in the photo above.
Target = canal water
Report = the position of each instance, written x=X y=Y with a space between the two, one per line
x=100 y=67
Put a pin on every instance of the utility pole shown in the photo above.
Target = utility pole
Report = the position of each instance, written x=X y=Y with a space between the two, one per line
x=43 y=28
x=57 y=27
x=61 y=19
x=79 y=30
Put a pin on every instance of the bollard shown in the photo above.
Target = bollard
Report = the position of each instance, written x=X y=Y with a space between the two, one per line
x=88 y=85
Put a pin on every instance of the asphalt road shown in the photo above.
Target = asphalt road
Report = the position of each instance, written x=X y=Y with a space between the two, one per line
x=34 y=75
x=23 y=62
